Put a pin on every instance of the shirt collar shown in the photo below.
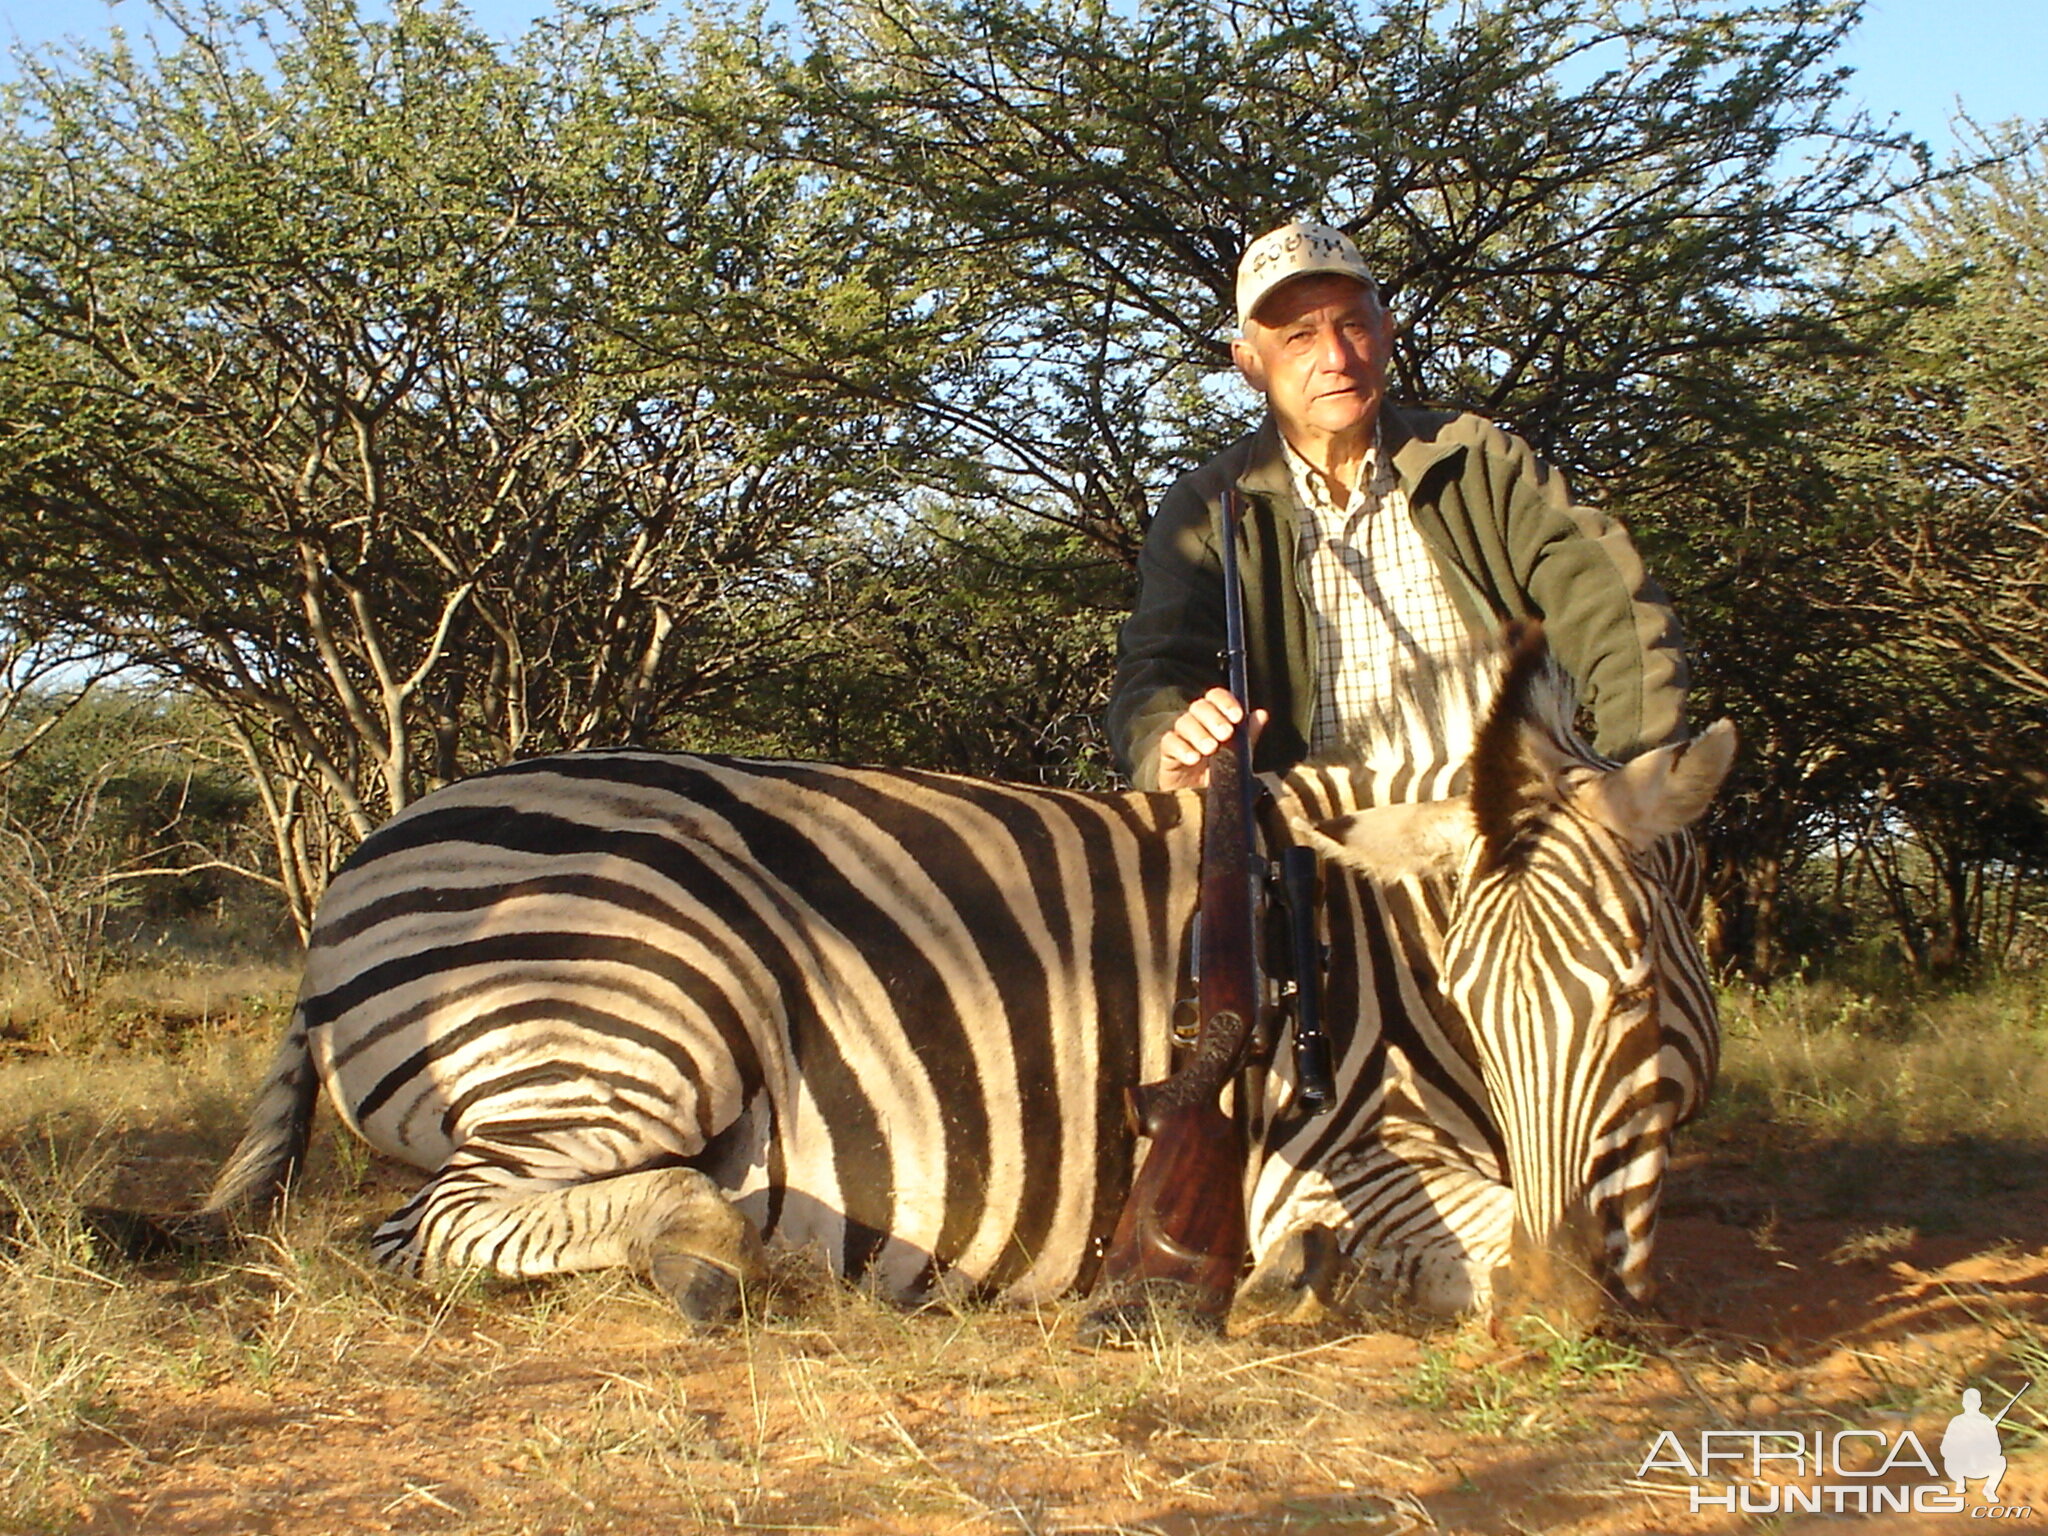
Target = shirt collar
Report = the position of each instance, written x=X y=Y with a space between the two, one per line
x=1313 y=489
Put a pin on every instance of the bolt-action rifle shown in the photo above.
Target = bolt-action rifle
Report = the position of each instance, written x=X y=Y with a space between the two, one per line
x=1184 y=1220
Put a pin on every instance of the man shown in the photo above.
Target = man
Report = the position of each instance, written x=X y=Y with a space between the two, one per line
x=1374 y=537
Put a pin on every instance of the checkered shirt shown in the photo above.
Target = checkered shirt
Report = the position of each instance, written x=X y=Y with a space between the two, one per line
x=1379 y=602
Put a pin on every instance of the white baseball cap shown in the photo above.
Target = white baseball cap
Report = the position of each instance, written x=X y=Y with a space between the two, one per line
x=1296 y=249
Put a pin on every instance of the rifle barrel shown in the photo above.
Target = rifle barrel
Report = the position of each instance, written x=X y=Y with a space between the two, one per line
x=2000 y=1415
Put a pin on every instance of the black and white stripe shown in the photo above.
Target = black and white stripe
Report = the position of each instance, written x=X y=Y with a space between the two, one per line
x=1546 y=1016
x=608 y=1000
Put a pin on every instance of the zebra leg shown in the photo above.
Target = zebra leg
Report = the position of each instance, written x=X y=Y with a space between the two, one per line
x=1444 y=1232
x=1292 y=1282
x=1428 y=1230
x=1403 y=1228
x=674 y=1226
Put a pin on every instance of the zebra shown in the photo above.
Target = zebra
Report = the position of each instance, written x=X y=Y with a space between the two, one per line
x=1545 y=1022
x=654 y=1010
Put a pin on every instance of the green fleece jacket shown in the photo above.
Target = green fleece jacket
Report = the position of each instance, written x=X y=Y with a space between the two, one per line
x=1507 y=537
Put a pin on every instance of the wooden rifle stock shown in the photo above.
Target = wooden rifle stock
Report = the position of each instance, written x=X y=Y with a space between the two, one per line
x=1184 y=1219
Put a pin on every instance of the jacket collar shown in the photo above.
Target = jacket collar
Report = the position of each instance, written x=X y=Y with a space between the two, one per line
x=1265 y=466
x=1408 y=437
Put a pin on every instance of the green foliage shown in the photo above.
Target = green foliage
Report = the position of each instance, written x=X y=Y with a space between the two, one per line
x=981 y=649
x=325 y=389
x=116 y=823
x=136 y=744
x=1955 y=417
x=1882 y=1061
x=1073 y=183
x=1898 y=673
x=422 y=401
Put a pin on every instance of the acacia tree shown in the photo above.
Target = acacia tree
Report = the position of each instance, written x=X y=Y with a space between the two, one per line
x=1863 y=586
x=955 y=652
x=1958 y=414
x=1590 y=221
x=1946 y=446
x=44 y=681
x=322 y=391
x=1582 y=215
x=426 y=403
x=111 y=814
x=1068 y=185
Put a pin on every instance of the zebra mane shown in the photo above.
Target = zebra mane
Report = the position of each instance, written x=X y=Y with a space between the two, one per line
x=1512 y=779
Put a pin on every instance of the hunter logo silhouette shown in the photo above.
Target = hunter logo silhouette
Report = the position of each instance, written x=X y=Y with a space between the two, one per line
x=1970 y=1446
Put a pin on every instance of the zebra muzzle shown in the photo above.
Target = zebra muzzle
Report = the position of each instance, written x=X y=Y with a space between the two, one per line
x=1559 y=1279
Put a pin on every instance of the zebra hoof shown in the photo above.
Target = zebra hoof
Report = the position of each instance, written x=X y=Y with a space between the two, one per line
x=703 y=1292
x=1293 y=1285
x=1138 y=1312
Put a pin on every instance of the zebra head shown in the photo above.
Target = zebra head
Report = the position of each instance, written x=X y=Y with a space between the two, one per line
x=1511 y=1149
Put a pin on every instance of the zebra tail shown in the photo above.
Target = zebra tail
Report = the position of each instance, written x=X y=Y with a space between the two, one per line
x=265 y=1163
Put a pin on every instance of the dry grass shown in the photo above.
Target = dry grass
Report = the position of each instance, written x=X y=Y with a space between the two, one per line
x=1827 y=1061
x=295 y=1388
x=155 y=1009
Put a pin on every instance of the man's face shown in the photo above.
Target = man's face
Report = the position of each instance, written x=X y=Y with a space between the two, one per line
x=1317 y=350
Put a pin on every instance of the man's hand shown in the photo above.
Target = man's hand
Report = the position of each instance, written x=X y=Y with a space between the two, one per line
x=1189 y=743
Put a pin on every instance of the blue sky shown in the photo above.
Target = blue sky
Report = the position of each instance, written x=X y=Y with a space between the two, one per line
x=1915 y=61
x=1917 y=58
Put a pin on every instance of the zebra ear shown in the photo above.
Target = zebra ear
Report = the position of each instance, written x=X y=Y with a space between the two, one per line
x=1664 y=791
x=1391 y=842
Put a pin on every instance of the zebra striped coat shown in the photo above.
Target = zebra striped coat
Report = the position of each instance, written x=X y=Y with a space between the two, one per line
x=632 y=1008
